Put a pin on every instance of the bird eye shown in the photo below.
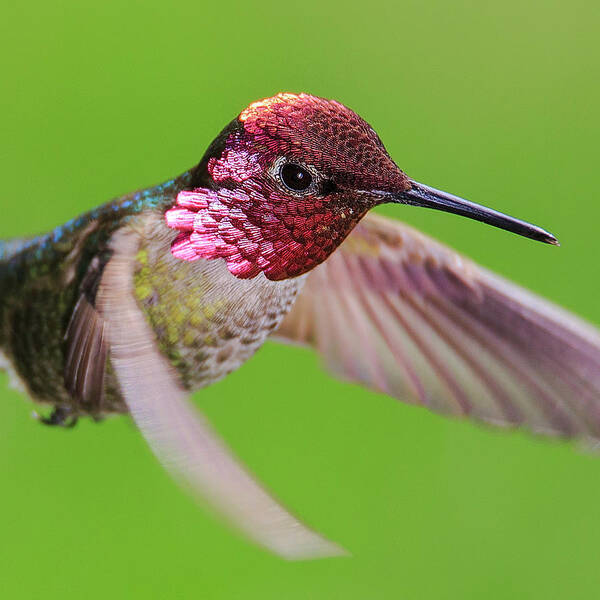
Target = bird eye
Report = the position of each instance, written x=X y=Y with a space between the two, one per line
x=295 y=177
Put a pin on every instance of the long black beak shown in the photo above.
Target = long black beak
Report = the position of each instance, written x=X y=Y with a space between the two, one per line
x=423 y=195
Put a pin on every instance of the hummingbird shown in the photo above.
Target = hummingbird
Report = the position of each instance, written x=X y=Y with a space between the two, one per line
x=135 y=305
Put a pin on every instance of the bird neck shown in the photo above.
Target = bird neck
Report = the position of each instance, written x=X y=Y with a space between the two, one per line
x=258 y=233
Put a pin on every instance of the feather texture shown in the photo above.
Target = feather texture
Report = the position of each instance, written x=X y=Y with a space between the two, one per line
x=404 y=315
x=87 y=350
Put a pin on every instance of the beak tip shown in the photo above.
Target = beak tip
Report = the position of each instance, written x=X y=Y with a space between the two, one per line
x=548 y=238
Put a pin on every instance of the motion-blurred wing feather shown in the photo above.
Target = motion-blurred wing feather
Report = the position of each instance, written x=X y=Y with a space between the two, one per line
x=402 y=314
x=86 y=355
x=86 y=344
x=182 y=440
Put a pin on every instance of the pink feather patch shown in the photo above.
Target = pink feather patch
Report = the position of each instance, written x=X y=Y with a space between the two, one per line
x=278 y=236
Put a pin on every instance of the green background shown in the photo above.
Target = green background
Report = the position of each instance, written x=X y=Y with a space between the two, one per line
x=496 y=101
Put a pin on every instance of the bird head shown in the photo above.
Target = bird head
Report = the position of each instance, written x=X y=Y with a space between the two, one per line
x=283 y=184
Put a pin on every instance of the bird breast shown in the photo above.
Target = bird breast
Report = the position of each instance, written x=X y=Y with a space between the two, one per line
x=206 y=321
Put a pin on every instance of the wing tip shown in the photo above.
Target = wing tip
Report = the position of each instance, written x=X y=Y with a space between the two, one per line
x=312 y=549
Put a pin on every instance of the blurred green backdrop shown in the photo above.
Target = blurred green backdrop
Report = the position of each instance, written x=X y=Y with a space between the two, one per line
x=496 y=101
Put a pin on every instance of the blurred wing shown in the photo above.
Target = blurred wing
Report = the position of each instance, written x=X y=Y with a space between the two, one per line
x=182 y=440
x=404 y=315
x=87 y=348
